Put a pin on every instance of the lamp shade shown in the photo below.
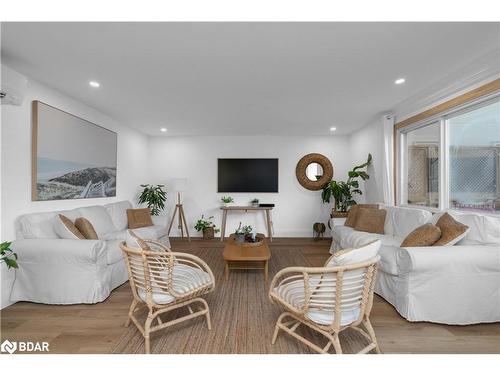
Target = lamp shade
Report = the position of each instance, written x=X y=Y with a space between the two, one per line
x=179 y=184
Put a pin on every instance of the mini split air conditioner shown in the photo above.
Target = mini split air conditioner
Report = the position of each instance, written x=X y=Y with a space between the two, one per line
x=12 y=88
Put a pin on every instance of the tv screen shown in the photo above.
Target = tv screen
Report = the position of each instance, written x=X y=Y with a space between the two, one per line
x=247 y=176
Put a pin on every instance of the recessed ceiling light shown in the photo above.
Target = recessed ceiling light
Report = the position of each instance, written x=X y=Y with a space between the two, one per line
x=94 y=84
x=333 y=128
x=164 y=130
x=400 y=81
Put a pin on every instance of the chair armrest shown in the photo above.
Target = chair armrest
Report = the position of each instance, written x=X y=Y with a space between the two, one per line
x=161 y=220
x=59 y=251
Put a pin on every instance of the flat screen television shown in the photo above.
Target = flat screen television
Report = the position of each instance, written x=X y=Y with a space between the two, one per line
x=247 y=175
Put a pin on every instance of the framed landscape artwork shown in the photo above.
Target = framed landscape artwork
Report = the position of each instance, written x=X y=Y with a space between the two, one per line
x=71 y=158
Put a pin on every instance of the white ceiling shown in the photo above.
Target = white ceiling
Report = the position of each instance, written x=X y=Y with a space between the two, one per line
x=243 y=78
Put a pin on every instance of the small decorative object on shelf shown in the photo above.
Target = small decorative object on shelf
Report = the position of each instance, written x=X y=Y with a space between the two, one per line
x=318 y=231
x=7 y=256
x=254 y=202
x=243 y=234
x=154 y=197
x=207 y=227
x=226 y=201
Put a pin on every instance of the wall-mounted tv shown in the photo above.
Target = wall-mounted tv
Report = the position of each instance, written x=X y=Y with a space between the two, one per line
x=247 y=175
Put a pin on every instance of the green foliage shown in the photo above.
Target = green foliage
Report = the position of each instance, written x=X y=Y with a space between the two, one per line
x=227 y=199
x=342 y=192
x=203 y=223
x=155 y=198
x=254 y=201
x=7 y=255
x=247 y=229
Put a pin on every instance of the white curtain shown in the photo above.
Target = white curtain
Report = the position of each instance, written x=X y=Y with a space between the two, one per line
x=388 y=168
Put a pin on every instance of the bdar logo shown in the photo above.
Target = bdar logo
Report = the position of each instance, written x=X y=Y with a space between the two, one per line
x=8 y=347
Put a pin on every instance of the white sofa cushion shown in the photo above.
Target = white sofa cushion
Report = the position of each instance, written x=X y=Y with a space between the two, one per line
x=153 y=232
x=483 y=229
x=99 y=218
x=38 y=225
x=118 y=213
x=401 y=221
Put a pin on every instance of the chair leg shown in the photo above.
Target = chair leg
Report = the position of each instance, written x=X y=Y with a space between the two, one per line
x=371 y=332
x=336 y=343
x=131 y=312
x=147 y=328
x=277 y=328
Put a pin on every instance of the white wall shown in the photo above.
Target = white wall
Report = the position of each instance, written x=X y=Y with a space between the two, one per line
x=369 y=139
x=15 y=135
x=196 y=159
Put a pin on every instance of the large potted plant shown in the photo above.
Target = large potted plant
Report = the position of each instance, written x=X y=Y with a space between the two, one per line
x=207 y=227
x=7 y=256
x=154 y=196
x=343 y=191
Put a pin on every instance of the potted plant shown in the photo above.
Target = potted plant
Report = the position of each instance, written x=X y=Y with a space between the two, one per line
x=207 y=227
x=154 y=197
x=342 y=192
x=254 y=202
x=226 y=201
x=247 y=230
x=7 y=256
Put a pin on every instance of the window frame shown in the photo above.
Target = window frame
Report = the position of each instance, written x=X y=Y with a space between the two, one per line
x=444 y=157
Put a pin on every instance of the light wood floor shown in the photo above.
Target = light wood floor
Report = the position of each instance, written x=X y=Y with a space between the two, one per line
x=97 y=328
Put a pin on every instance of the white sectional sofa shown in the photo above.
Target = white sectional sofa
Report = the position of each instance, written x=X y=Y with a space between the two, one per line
x=62 y=271
x=457 y=284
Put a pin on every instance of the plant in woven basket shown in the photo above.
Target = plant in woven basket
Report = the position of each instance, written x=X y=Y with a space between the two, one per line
x=154 y=196
x=7 y=256
x=207 y=227
x=342 y=192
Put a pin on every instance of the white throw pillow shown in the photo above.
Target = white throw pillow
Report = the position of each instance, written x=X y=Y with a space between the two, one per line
x=358 y=255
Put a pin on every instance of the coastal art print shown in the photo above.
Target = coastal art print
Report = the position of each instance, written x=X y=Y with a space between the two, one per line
x=71 y=157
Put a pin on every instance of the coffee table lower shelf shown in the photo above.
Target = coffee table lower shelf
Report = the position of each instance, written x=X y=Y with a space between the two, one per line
x=246 y=265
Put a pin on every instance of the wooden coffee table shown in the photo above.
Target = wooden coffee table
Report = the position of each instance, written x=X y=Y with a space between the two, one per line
x=246 y=256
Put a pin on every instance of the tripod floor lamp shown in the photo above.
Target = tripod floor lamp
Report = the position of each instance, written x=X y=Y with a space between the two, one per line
x=179 y=185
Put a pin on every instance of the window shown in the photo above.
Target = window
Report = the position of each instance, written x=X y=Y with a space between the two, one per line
x=452 y=160
x=474 y=159
x=423 y=165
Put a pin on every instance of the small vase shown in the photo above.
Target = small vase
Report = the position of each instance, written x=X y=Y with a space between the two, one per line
x=240 y=238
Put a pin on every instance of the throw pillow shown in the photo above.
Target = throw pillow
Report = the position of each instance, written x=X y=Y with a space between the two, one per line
x=424 y=235
x=65 y=228
x=370 y=220
x=139 y=218
x=86 y=228
x=452 y=231
x=353 y=213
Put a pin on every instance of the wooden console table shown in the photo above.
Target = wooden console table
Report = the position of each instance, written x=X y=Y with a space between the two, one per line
x=267 y=211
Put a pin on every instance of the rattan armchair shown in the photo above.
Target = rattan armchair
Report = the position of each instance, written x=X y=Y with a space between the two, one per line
x=328 y=300
x=162 y=281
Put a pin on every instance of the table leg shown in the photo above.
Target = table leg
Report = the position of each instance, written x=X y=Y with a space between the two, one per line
x=223 y=226
x=269 y=229
x=226 y=270
x=266 y=270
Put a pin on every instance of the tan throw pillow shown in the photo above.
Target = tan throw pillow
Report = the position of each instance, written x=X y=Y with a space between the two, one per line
x=86 y=228
x=424 y=235
x=65 y=228
x=353 y=213
x=370 y=220
x=452 y=231
x=139 y=218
